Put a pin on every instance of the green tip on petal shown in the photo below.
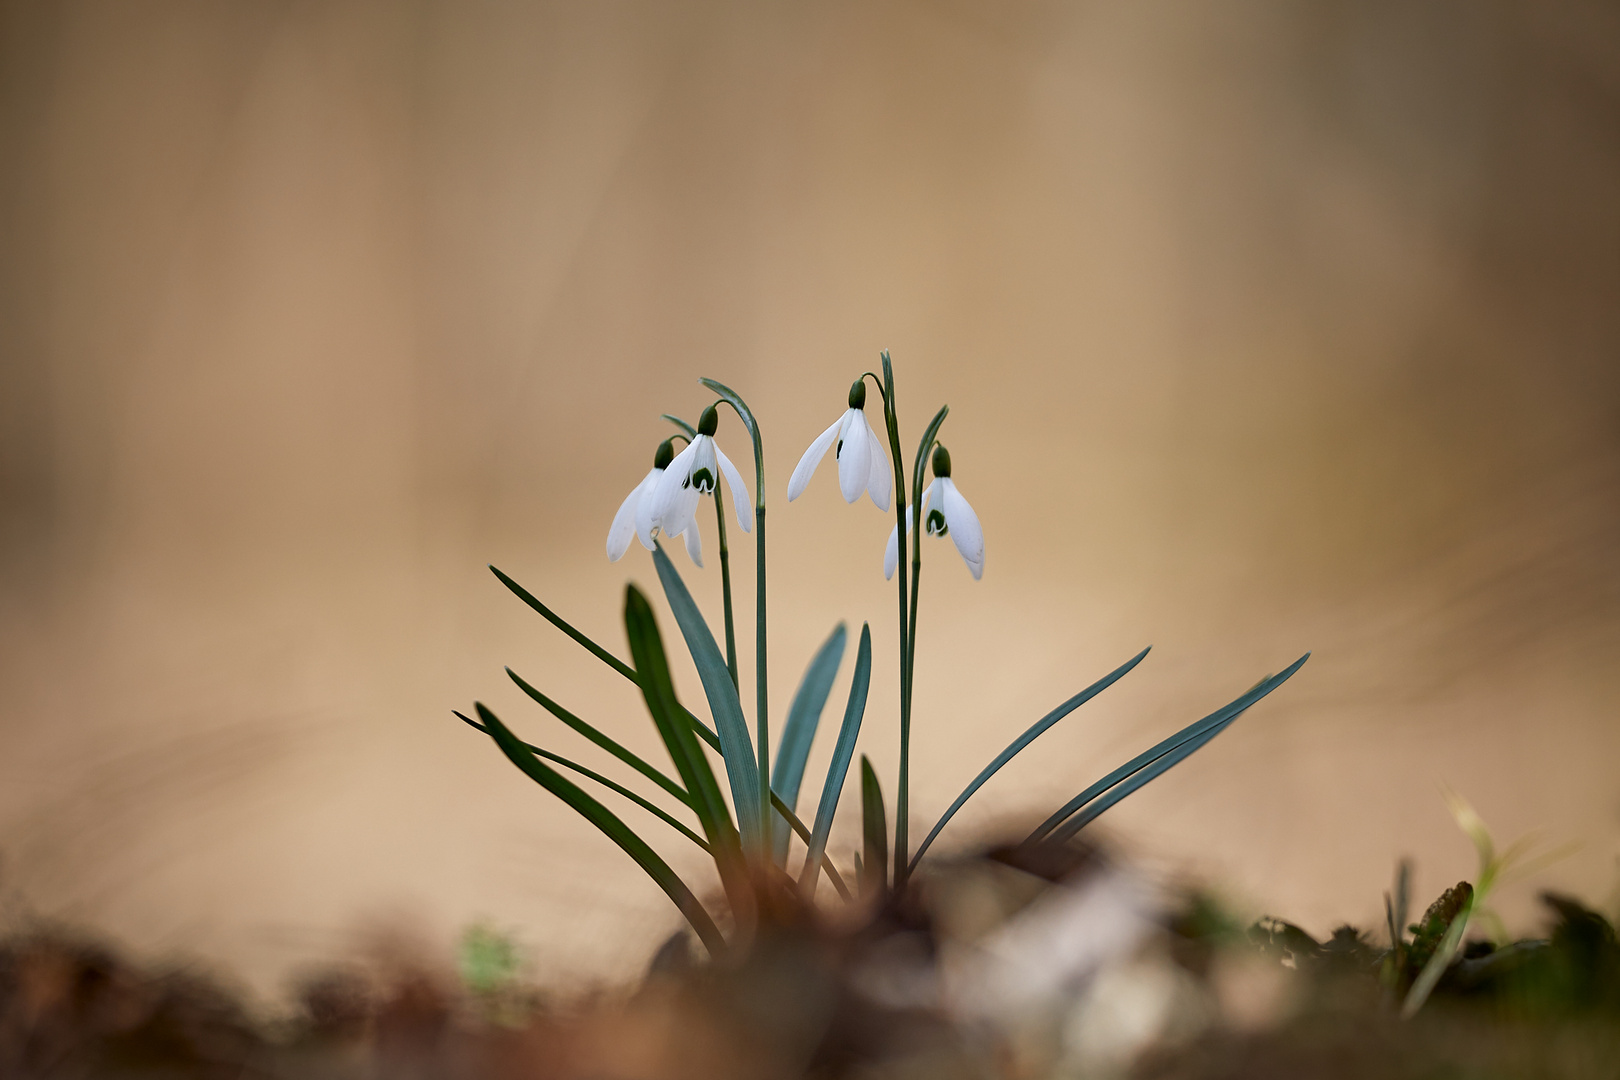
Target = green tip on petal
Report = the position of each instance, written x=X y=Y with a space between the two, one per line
x=857 y=394
x=942 y=461
x=665 y=454
x=709 y=422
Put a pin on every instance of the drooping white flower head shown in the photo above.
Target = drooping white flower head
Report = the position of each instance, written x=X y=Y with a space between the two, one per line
x=694 y=472
x=862 y=464
x=944 y=512
x=635 y=514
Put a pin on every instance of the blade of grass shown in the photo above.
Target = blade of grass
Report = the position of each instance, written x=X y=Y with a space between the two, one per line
x=735 y=746
x=1018 y=744
x=874 y=834
x=838 y=768
x=1192 y=731
x=799 y=732
x=613 y=747
x=610 y=825
x=600 y=779
x=1429 y=977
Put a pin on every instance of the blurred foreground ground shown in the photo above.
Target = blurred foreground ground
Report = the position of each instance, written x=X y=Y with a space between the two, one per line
x=944 y=984
x=1266 y=327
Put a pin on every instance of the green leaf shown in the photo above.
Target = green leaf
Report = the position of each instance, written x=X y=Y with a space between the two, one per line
x=612 y=746
x=735 y=745
x=702 y=730
x=687 y=429
x=734 y=399
x=1039 y=728
x=930 y=433
x=600 y=779
x=647 y=646
x=1429 y=977
x=596 y=650
x=562 y=624
x=874 y=834
x=1146 y=775
x=1209 y=725
x=843 y=751
x=804 y=716
x=609 y=823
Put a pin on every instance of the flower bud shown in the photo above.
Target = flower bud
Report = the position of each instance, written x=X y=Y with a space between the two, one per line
x=857 y=394
x=942 y=461
x=664 y=454
x=709 y=422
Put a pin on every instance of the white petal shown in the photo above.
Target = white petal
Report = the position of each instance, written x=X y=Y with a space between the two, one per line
x=881 y=479
x=738 y=489
x=624 y=522
x=694 y=544
x=891 y=554
x=703 y=460
x=674 y=500
x=806 y=468
x=644 y=506
x=964 y=526
x=854 y=455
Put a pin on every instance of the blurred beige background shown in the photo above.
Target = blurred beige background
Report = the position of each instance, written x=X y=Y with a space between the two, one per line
x=1266 y=327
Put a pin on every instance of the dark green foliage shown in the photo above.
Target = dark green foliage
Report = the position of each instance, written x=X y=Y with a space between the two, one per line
x=804 y=717
x=874 y=834
x=1427 y=934
x=843 y=751
x=610 y=825
x=735 y=745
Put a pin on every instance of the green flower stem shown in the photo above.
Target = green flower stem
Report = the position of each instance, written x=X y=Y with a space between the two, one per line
x=902 y=798
x=725 y=586
x=891 y=421
x=762 y=720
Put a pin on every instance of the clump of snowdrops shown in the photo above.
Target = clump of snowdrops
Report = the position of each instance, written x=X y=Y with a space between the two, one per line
x=751 y=838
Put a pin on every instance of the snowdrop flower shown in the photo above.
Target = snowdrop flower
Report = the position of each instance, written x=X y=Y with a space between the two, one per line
x=635 y=513
x=862 y=464
x=945 y=512
x=673 y=500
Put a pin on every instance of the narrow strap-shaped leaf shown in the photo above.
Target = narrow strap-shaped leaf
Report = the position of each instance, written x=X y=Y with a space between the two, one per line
x=735 y=745
x=762 y=682
x=659 y=692
x=596 y=650
x=803 y=718
x=687 y=429
x=612 y=746
x=1035 y=732
x=609 y=823
x=591 y=774
x=1147 y=757
x=563 y=624
x=803 y=834
x=930 y=433
x=843 y=751
x=744 y=413
x=1093 y=810
x=702 y=730
x=874 y=834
